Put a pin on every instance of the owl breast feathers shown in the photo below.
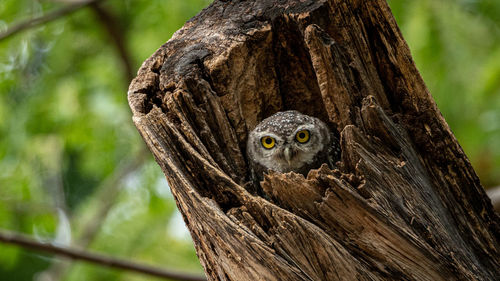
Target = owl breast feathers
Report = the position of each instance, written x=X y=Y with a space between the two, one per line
x=291 y=141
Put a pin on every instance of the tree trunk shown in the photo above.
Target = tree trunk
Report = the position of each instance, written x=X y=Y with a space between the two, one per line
x=404 y=204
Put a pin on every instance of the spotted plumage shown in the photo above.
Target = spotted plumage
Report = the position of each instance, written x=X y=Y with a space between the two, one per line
x=291 y=141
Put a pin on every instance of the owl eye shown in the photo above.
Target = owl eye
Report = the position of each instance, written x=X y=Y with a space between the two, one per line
x=268 y=142
x=302 y=136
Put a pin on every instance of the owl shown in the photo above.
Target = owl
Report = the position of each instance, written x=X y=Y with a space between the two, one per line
x=291 y=141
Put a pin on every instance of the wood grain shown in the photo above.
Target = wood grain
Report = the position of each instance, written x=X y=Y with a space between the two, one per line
x=404 y=204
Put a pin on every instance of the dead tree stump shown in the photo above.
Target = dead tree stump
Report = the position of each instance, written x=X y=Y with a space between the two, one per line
x=405 y=203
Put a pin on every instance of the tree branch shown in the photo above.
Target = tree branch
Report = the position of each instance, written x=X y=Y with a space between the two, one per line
x=117 y=36
x=48 y=17
x=108 y=193
x=25 y=242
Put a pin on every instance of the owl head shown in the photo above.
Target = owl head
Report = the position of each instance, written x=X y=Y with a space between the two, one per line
x=287 y=141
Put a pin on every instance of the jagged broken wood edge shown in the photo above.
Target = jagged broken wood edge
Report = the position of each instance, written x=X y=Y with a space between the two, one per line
x=193 y=102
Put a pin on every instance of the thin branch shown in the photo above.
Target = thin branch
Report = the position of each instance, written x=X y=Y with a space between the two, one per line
x=48 y=17
x=106 y=198
x=23 y=241
x=111 y=188
x=117 y=35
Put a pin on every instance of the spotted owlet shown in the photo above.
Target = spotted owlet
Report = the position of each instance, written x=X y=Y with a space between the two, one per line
x=291 y=141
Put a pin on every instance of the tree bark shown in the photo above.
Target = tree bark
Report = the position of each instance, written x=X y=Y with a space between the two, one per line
x=404 y=203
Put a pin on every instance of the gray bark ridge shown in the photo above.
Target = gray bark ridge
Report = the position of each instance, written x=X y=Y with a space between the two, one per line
x=405 y=203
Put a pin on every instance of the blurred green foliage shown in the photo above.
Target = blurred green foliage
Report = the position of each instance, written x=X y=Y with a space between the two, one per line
x=71 y=160
x=66 y=138
x=456 y=46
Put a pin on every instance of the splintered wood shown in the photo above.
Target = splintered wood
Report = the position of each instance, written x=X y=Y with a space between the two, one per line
x=404 y=203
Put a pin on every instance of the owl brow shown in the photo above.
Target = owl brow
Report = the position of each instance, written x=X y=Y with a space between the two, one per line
x=268 y=134
x=304 y=127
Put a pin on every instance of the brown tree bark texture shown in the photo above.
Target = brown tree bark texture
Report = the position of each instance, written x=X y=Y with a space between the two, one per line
x=404 y=204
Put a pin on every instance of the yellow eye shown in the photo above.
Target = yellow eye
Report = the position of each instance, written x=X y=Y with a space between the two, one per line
x=268 y=142
x=302 y=136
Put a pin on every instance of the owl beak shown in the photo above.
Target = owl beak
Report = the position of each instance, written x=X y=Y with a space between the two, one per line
x=288 y=155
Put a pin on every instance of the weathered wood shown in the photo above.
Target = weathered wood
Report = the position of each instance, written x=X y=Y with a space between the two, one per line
x=405 y=203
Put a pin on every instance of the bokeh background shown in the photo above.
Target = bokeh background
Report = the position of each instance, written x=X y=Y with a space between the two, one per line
x=74 y=171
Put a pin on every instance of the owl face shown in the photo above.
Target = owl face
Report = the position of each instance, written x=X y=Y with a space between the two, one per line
x=287 y=141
